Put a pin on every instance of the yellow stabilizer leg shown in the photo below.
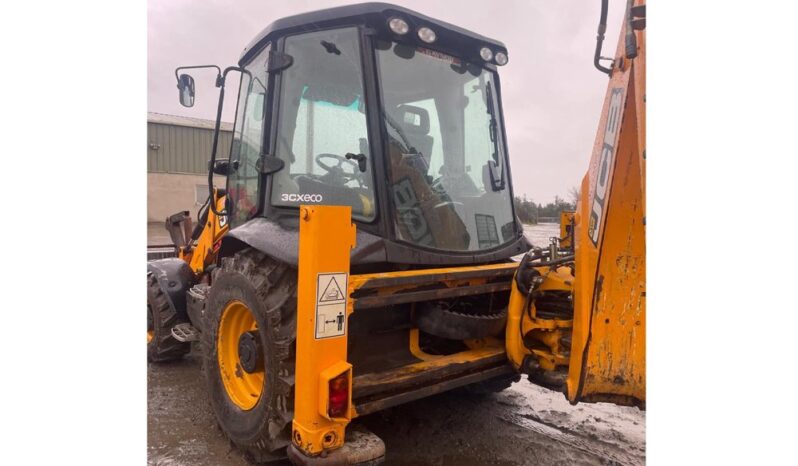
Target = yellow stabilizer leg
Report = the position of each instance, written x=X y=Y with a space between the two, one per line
x=323 y=390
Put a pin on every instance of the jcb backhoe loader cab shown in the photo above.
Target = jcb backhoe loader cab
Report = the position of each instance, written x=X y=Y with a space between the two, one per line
x=398 y=117
x=376 y=115
x=382 y=109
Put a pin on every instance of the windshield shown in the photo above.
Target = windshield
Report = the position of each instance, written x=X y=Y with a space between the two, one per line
x=446 y=154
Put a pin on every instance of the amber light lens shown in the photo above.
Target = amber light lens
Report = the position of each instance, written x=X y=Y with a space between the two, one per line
x=339 y=396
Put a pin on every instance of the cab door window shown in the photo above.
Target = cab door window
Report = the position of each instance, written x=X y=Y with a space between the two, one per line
x=242 y=183
x=322 y=132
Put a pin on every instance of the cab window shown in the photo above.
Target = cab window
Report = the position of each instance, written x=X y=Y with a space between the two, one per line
x=243 y=183
x=322 y=133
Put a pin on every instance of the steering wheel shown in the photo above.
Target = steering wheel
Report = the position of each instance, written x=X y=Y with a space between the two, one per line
x=335 y=172
x=338 y=168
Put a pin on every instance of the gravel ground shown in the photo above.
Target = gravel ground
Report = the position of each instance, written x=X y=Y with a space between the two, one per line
x=524 y=425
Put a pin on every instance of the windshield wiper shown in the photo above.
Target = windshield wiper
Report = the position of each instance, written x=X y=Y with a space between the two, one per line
x=330 y=47
x=492 y=122
x=496 y=172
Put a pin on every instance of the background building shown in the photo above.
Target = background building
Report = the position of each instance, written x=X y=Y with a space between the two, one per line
x=178 y=150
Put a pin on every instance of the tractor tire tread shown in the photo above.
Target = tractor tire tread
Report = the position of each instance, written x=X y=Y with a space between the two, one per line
x=163 y=346
x=275 y=285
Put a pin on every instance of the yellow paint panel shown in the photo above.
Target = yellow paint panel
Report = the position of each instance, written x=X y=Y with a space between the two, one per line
x=608 y=353
x=356 y=281
x=204 y=252
x=566 y=229
x=326 y=237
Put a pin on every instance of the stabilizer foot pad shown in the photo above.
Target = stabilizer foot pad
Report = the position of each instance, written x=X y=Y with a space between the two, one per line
x=185 y=332
x=362 y=448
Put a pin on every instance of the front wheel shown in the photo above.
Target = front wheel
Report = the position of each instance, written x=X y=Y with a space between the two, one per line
x=250 y=328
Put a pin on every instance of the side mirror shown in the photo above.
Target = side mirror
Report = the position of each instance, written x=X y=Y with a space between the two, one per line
x=185 y=83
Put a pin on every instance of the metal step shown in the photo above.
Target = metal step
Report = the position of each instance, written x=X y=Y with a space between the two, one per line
x=195 y=304
x=160 y=252
x=185 y=332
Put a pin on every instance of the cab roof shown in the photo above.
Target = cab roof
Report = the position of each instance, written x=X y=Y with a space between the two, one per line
x=452 y=39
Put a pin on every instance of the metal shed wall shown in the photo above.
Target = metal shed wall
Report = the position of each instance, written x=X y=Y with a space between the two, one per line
x=182 y=149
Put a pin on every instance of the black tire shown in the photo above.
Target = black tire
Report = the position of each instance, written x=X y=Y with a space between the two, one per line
x=436 y=319
x=160 y=320
x=490 y=386
x=268 y=288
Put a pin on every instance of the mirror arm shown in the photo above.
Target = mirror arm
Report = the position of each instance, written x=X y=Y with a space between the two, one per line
x=218 y=71
x=220 y=83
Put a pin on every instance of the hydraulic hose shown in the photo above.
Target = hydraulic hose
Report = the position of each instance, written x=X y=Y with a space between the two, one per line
x=562 y=260
x=602 y=28
x=630 y=41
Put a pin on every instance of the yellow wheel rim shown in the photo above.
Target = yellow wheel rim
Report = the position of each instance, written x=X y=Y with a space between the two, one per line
x=243 y=388
x=150 y=334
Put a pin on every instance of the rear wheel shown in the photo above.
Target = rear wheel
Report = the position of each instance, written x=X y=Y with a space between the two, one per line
x=161 y=345
x=248 y=344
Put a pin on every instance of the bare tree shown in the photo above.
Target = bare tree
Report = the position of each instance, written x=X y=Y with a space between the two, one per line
x=575 y=194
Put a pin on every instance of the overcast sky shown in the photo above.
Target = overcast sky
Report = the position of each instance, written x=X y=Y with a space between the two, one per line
x=552 y=95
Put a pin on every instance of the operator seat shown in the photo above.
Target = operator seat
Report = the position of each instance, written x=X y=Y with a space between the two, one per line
x=417 y=135
x=424 y=216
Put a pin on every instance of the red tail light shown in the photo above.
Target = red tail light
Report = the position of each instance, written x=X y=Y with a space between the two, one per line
x=339 y=396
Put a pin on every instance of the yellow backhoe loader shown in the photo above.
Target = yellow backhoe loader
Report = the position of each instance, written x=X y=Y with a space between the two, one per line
x=364 y=252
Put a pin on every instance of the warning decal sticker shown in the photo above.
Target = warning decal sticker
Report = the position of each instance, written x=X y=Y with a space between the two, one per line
x=331 y=305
